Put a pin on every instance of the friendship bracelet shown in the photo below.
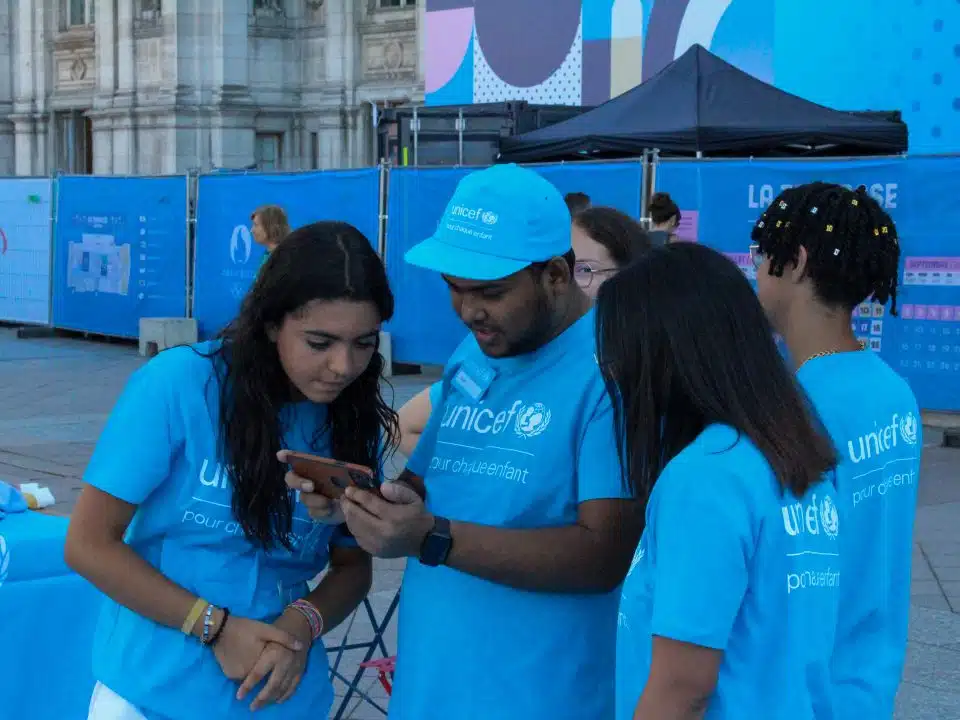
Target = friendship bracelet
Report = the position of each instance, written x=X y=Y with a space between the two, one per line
x=193 y=616
x=313 y=616
x=216 y=635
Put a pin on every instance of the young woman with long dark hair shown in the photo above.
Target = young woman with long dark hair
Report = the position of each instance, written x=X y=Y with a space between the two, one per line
x=185 y=522
x=737 y=563
x=821 y=250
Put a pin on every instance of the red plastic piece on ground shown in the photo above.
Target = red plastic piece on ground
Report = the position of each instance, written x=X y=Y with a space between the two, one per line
x=384 y=668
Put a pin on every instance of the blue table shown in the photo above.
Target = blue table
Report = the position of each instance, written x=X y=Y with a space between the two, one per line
x=47 y=618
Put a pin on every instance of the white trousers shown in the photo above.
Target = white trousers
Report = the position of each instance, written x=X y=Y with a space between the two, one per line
x=105 y=704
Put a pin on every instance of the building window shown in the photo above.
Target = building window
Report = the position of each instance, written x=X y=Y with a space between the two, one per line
x=74 y=142
x=150 y=9
x=270 y=8
x=78 y=13
x=269 y=151
x=314 y=151
x=397 y=3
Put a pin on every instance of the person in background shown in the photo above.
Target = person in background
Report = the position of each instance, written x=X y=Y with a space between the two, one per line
x=730 y=475
x=604 y=240
x=576 y=202
x=820 y=251
x=664 y=218
x=185 y=522
x=269 y=225
x=511 y=508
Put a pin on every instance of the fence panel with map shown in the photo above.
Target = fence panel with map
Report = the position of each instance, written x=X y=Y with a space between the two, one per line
x=25 y=250
x=119 y=251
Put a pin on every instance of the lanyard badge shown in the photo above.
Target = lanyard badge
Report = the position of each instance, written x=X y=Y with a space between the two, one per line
x=474 y=379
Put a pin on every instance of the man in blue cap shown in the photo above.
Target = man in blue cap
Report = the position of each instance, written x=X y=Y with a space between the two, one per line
x=511 y=508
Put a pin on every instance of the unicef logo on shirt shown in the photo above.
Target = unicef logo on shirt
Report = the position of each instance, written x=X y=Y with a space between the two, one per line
x=829 y=517
x=908 y=428
x=4 y=560
x=241 y=244
x=532 y=420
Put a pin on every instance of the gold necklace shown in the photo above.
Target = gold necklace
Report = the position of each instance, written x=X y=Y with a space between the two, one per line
x=824 y=353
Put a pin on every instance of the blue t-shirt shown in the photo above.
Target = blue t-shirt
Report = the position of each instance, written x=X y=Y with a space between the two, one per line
x=535 y=442
x=159 y=451
x=872 y=415
x=729 y=561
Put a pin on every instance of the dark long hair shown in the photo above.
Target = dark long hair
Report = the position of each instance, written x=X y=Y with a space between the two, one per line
x=683 y=343
x=324 y=261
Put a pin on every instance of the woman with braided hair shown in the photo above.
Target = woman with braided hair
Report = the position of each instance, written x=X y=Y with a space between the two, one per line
x=820 y=251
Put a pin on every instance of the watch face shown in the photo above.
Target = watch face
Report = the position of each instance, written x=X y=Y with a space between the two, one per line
x=435 y=549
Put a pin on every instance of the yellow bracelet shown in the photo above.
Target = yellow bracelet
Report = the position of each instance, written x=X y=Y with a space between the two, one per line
x=193 y=616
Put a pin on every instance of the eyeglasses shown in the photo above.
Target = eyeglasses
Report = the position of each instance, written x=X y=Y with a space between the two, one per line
x=584 y=273
x=756 y=257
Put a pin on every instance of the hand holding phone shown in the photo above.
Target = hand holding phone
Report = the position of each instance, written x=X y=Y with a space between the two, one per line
x=332 y=477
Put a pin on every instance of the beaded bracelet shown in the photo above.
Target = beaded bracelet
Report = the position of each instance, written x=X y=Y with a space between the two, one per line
x=207 y=625
x=223 y=623
x=312 y=615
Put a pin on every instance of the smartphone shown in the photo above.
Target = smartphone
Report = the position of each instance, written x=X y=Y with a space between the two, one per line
x=332 y=476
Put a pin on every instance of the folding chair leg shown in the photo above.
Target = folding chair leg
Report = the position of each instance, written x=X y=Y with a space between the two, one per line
x=374 y=645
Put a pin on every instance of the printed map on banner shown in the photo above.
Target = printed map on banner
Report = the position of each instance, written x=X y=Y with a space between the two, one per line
x=98 y=264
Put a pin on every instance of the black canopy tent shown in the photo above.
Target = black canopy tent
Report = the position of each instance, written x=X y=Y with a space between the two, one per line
x=700 y=103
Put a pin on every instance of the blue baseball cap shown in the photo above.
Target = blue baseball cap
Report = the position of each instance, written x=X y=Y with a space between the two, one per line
x=499 y=221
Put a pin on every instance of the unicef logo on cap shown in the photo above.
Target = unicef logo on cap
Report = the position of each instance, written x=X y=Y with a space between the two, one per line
x=532 y=420
x=829 y=517
x=489 y=218
x=4 y=560
x=908 y=428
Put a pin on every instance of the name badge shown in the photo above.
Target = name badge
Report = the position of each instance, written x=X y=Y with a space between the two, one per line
x=473 y=380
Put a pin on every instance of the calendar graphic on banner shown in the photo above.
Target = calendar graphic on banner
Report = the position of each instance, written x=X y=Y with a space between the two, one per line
x=932 y=271
x=867 y=322
x=930 y=338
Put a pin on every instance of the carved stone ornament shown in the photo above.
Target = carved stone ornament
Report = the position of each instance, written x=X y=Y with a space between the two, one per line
x=78 y=69
x=392 y=55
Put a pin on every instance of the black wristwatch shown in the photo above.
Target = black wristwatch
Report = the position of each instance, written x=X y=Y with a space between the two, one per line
x=436 y=545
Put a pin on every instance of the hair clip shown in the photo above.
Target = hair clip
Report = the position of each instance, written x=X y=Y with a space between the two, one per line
x=783 y=205
x=788 y=224
x=779 y=223
x=829 y=228
x=760 y=224
x=884 y=229
x=813 y=210
x=854 y=202
x=836 y=251
x=876 y=232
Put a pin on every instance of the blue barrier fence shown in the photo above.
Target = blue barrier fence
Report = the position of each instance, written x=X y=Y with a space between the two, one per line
x=226 y=258
x=119 y=252
x=25 y=226
x=119 y=249
x=425 y=329
x=923 y=343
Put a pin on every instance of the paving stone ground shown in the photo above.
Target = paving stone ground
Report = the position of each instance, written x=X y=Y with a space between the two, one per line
x=55 y=395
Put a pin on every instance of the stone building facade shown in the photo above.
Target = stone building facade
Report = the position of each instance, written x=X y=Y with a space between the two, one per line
x=164 y=86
